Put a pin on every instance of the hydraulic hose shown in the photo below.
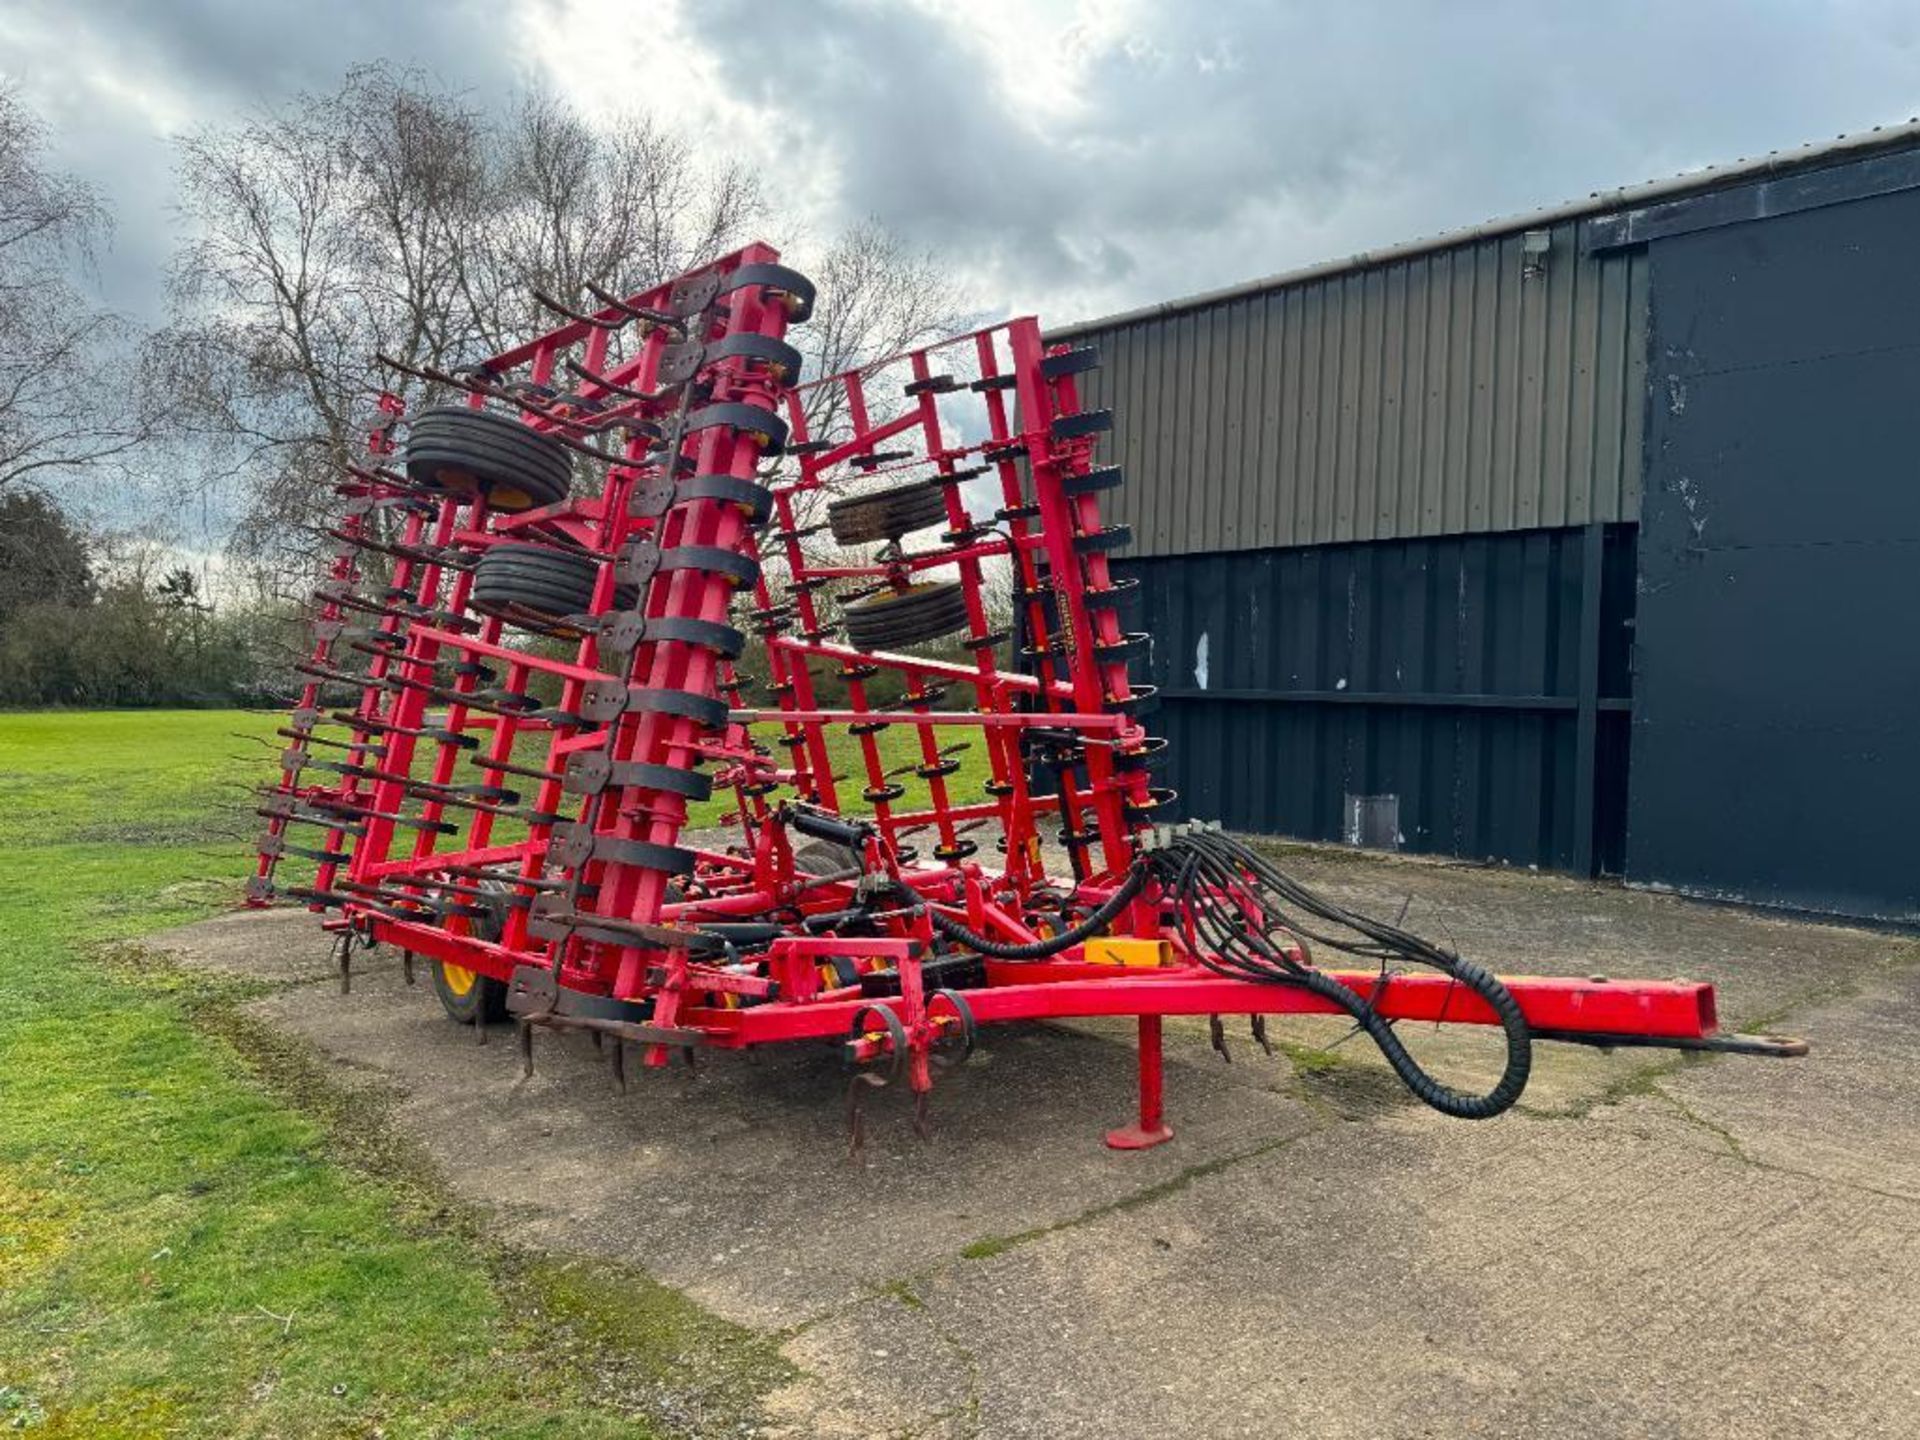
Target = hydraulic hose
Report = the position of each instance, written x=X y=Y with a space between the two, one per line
x=1444 y=1098
x=1232 y=899
x=1095 y=922
x=1212 y=873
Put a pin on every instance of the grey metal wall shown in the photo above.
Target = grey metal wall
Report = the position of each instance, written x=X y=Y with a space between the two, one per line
x=1479 y=680
x=1437 y=394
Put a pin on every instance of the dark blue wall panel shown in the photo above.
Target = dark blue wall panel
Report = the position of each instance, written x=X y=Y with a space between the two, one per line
x=1779 y=657
x=1444 y=673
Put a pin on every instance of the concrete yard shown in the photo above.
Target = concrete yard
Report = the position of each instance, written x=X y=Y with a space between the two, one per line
x=1654 y=1246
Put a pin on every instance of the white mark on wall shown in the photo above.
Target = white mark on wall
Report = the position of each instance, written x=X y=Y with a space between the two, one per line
x=1200 y=661
x=1690 y=499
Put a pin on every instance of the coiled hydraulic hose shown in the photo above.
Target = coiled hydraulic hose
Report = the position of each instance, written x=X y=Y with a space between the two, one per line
x=1233 y=901
x=1442 y=1097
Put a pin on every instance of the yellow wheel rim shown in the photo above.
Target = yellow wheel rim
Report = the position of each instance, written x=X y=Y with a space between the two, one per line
x=461 y=482
x=878 y=600
x=459 y=980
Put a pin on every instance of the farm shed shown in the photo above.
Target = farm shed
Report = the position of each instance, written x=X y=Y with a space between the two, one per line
x=1588 y=539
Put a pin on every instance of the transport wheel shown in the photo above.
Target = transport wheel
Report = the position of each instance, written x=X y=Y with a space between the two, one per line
x=889 y=514
x=467 y=996
x=463 y=992
x=823 y=857
x=536 y=587
x=921 y=612
x=467 y=451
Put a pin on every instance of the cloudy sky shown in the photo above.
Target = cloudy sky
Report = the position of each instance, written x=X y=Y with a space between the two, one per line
x=1069 y=156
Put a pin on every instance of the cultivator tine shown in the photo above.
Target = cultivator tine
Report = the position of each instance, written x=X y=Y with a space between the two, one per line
x=1258 y=1025
x=645 y=316
x=1217 y=1037
x=567 y=312
x=617 y=1057
x=524 y=1031
x=857 y=1086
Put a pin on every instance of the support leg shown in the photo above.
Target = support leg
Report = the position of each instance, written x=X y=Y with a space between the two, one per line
x=1152 y=1128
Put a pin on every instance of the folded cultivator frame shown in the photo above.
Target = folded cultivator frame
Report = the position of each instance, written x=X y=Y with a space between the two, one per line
x=538 y=613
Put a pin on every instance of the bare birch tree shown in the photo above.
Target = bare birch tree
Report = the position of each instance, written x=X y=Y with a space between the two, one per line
x=68 y=397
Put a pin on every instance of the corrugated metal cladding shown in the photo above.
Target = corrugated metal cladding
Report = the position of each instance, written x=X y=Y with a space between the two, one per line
x=1437 y=394
x=1445 y=674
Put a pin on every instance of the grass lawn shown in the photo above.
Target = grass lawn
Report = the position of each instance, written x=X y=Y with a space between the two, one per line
x=198 y=1235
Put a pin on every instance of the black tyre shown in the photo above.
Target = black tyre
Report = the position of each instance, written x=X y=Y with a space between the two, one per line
x=463 y=993
x=467 y=996
x=536 y=588
x=823 y=857
x=889 y=514
x=466 y=451
x=923 y=612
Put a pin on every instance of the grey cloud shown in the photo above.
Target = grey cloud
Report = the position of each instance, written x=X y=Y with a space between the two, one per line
x=1218 y=141
x=241 y=51
x=1233 y=139
x=96 y=70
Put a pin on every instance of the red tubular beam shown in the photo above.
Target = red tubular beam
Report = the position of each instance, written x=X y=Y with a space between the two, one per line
x=584 y=673
x=978 y=718
x=1669 y=1010
x=927 y=560
x=940 y=669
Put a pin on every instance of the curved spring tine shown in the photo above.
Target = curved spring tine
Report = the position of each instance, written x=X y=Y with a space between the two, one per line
x=575 y=315
x=635 y=312
x=614 y=387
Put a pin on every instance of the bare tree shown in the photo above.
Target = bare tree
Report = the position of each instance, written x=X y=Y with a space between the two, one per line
x=66 y=397
x=878 y=299
x=393 y=217
x=623 y=207
x=333 y=228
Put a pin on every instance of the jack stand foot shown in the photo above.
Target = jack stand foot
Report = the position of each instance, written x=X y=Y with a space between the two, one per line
x=1151 y=1129
x=1138 y=1137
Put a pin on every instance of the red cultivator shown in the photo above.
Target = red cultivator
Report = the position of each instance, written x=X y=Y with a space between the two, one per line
x=548 y=679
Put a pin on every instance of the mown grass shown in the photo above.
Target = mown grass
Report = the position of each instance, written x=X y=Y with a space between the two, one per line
x=199 y=1235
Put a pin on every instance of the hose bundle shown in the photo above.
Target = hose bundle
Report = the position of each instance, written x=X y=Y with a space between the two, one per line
x=1238 y=909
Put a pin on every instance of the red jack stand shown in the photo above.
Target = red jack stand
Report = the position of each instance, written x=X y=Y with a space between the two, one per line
x=1151 y=1129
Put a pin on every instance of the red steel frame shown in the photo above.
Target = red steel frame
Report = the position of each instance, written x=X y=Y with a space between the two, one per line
x=602 y=928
